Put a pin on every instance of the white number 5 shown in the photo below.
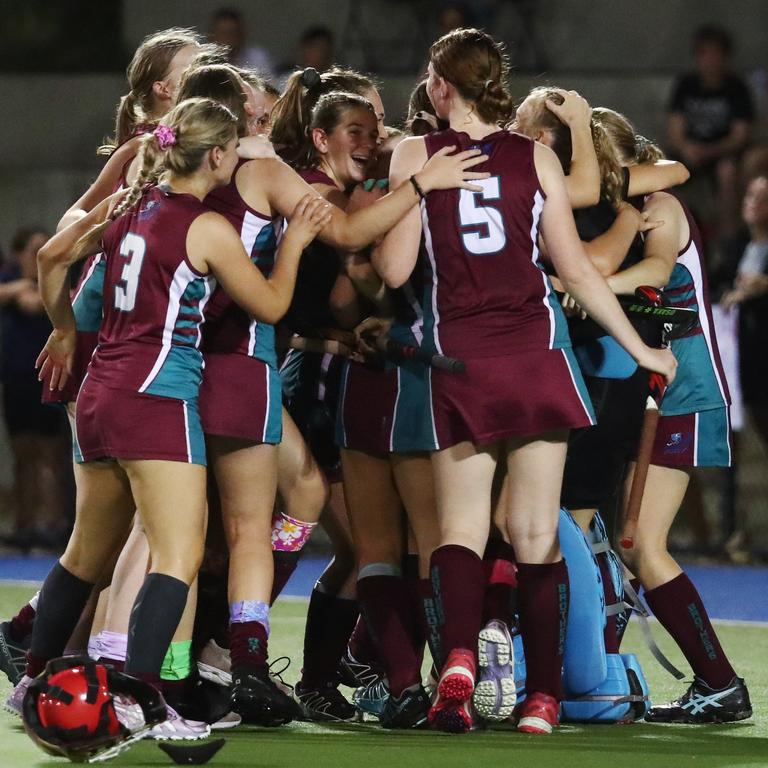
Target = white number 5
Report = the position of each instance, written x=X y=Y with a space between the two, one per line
x=132 y=248
x=482 y=227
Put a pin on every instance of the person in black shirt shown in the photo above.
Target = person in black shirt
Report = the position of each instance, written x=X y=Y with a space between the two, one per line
x=710 y=117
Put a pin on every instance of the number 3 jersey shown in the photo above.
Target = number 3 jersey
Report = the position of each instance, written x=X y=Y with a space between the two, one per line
x=485 y=292
x=154 y=300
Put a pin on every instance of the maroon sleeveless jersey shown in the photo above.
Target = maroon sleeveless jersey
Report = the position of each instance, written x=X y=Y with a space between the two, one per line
x=154 y=300
x=229 y=329
x=486 y=294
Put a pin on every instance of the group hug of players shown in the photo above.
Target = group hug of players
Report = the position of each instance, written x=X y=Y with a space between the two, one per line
x=238 y=306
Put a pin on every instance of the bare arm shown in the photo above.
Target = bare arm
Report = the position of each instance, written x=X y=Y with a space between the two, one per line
x=213 y=245
x=653 y=177
x=661 y=248
x=577 y=273
x=104 y=185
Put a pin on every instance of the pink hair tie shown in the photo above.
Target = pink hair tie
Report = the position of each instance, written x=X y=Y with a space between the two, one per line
x=165 y=135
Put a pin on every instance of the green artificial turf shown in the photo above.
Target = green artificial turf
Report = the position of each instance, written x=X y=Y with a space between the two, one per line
x=368 y=746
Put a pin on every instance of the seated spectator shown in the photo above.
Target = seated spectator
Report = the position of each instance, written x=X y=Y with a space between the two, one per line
x=36 y=431
x=710 y=118
x=228 y=29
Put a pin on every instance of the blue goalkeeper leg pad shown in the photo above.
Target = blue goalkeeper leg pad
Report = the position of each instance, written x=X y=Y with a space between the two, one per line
x=584 y=664
x=621 y=698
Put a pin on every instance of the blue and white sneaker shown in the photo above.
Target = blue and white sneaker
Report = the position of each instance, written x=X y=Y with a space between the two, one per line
x=372 y=699
x=14 y=702
x=702 y=704
x=495 y=693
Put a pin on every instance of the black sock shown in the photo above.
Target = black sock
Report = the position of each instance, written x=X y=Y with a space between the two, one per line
x=285 y=565
x=212 y=614
x=61 y=602
x=330 y=621
x=154 y=618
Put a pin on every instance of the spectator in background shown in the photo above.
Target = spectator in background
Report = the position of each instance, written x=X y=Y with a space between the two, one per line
x=316 y=49
x=228 y=28
x=36 y=431
x=710 y=118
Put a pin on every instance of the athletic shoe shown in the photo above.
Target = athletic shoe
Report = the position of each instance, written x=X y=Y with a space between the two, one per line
x=214 y=663
x=325 y=704
x=495 y=696
x=259 y=701
x=13 y=703
x=176 y=728
x=129 y=713
x=408 y=710
x=230 y=720
x=358 y=674
x=13 y=654
x=372 y=699
x=200 y=700
x=276 y=672
x=702 y=704
x=451 y=711
x=539 y=713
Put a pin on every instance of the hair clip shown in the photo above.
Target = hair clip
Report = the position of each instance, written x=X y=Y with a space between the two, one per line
x=310 y=78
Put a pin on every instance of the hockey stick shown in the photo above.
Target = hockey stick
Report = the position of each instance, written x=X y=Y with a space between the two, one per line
x=654 y=298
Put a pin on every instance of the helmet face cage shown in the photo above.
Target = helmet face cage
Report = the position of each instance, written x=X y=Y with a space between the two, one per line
x=69 y=710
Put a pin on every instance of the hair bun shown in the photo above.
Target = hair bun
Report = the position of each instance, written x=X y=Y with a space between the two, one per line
x=310 y=78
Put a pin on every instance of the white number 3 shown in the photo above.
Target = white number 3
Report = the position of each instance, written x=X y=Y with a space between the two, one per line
x=482 y=226
x=132 y=248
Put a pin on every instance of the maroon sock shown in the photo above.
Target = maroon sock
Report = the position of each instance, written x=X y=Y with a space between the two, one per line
x=21 y=623
x=285 y=565
x=458 y=584
x=610 y=632
x=501 y=582
x=678 y=607
x=330 y=621
x=248 y=645
x=117 y=664
x=417 y=622
x=386 y=605
x=148 y=677
x=175 y=689
x=431 y=615
x=543 y=601
x=361 y=645
x=623 y=622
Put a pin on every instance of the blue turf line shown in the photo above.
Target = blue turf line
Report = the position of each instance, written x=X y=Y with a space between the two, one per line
x=729 y=592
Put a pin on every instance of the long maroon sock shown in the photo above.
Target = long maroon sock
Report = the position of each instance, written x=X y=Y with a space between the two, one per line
x=248 y=645
x=677 y=605
x=623 y=622
x=543 y=605
x=21 y=623
x=285 y=565
x=610 y=633
x=458 y=584
x=361 y=645
x=417 y=622
x=386 y=605
x=501 y=582
x=431 y=615
x=330 y=621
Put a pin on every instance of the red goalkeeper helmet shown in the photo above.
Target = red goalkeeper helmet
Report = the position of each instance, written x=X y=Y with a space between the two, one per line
x=70 y=710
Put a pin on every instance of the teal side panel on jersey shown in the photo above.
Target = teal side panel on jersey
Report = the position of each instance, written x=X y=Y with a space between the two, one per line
x=578 y=381
x=88 y=303
x=273 y=429
x=195 y=436
x=264 y=348
x=584 y=662
x=713 y=440
x=561 y=339
x=695 y=387
x=180 y=375
x=413 y=428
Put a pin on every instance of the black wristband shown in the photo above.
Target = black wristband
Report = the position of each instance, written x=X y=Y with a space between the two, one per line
x=417 y=187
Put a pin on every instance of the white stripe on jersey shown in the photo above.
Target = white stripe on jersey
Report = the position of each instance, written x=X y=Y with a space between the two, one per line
x=182 y=278
x=576 y=387
x=252 y=226
x=433 y=264
x=691 y=260
x=266 y=410
x=186 y=431
x=538 y=206
x=394 y=414
x=696 y=439
x=88 y=276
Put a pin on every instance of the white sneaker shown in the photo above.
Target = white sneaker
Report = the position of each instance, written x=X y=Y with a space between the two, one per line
x=214 y=664
x=230 y=720
x=495 y=692
x=13 y=703
x=176 y=728
x=128 y=712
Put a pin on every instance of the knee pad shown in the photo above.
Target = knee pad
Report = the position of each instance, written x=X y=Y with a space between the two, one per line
x=584 y=664
x=622 y=697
